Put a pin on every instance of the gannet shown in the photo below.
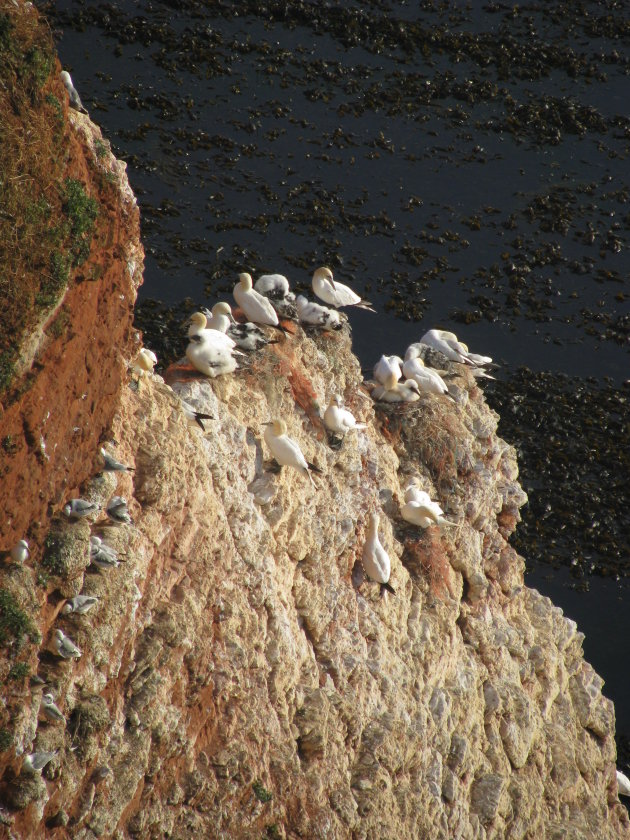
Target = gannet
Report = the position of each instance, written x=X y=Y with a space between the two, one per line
x=36 y=761
x=275 y=287
x=336 y=294
x=144 y=362
x=387 y=365
x=246 y=336
x=208 y=358
x=429 y=381
x=194 y=416
x=455 y=350
x=75 y=99
x=338 y=419
x=117 y=510
x=112 y=465
x=65 y=647
x=623 y=783
x=79 y=605
x=101 y=554
x=19 y=553
x=392 y=391
x=315 y=315
x=285 y=450
x=419 y=509
x=257 y=307
x=375 y=559
x=217 y=339
x=50 y=710
x=78 y=508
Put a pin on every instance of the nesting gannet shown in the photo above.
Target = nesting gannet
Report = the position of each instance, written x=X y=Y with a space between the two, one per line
x=623 y=783
x=117 y=510
x=194 y=416
x=198 y=328
x=392 y=391
x=315 y=315
x=285 y=450
x=19 y=553
x=112 y=465
x=275 y=287
x=208 y=358
x=338 y=419
x=257 y=307
x=78 y=508
x=51 y=710
x=336 y=294
x=246 y=336
x=387 y=365
x=79 y=605
x=36 y=761
x=429 y=381
x=75 y=99
x=101 y=554
x=419 y=509
x=65 y=647
x=144 y=362
x=375 y=559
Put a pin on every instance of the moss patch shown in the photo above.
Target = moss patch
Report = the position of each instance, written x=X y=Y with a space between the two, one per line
x=14 y=622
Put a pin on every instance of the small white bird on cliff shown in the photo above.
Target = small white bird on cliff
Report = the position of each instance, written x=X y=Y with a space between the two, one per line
x=257 y=307
x=144 y=362
x=36 y=761
x=428 y=381
x=285 y=450
x=112 y=465
x=375 y=559
x=206 y=357
x=75 y=99
x=51 y=710
x=20 y=552
x=623 y=784
x=246 y=336
x=336 y=294
x=419 y=509
x=102 y=555
x=386 y=366
x=275 y=287
x=79 y=605
x=315 y=315
x=338 y=419
x=78 y=508
x=117 y=510
x=450 y=346
x=392 y=391
x=65 y=647
x=198 y=328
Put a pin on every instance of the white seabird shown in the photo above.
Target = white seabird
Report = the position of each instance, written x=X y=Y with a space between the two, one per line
x=78 y=508
x=257 y=307
x=275 y=287
x=51 y=710
x=20 y=552
x=454 y=349
x=144 y=362
x=429 y=381
x=392 y=391
x=75 y=99
x=101 y=554
x=79 y=605
x=375 y=559
x=315 y=315
x=285 y=450
x=36 y=761
x=112 y=465
x=336 y=294
x=117 y=510
x=623 y=784
x=206 y=357
x=338 y=419
x=198 y=328
x=387 y=365
x=246 y=336
x=419 y=509
x=65 y=647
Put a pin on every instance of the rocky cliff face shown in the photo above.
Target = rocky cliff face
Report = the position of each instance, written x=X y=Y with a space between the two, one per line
x=239 y=676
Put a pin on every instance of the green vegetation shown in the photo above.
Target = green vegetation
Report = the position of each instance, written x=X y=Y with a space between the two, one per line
x=18 y=671
x=6 y=739
x=82 y=212
x=273 y=832
x=260 y=792
x=14 y=623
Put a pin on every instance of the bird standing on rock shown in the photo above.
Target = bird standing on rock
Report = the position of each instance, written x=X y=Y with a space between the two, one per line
x=336 y=294
x=285 y=450
x=338 y=419
x=50 y=710
x=65 y=647
x=246 y=336
x=257 y=307
x=375 y=559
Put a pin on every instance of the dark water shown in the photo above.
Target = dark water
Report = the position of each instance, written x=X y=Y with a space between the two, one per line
x=459 y=167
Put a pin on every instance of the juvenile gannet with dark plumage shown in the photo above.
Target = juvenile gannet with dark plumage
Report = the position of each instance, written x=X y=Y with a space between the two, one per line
x=336 y=294
x=275 y=287
x=315 y=315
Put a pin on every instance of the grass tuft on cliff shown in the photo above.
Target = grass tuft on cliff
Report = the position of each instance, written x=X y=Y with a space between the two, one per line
x=46 y=219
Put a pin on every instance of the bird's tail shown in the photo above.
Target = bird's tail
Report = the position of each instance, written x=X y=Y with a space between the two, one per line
x=199 y=418
x=388 y=587
x=365 y=304
x=314 y=468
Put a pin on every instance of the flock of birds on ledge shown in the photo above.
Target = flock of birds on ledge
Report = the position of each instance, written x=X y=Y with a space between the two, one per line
x=218 y=345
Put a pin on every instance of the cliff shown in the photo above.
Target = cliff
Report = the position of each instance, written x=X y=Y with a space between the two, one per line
x=239 y=677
